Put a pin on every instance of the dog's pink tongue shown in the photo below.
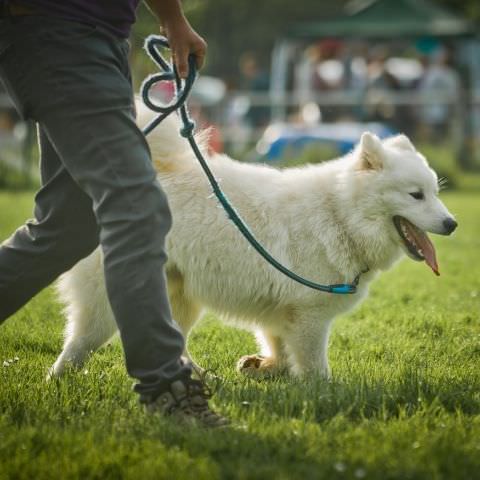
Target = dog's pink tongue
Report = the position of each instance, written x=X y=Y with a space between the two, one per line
x=428 y=250
x=430 y=257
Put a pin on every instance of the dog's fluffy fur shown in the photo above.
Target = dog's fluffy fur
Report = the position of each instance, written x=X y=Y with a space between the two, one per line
x=326 y=222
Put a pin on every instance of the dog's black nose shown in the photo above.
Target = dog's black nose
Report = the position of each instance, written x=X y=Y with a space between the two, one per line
x=450 y=225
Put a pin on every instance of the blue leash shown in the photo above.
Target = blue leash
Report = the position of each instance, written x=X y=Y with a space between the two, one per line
x=183 y=88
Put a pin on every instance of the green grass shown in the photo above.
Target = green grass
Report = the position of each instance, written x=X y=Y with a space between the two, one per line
x=404 y=402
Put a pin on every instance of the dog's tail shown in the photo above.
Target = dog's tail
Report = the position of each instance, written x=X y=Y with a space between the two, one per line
x=170 y=151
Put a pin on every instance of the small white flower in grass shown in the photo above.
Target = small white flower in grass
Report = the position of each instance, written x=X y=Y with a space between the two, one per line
x=85 y=372
x=340 y=467
x=360 y=473
x=10 y=361
x=415 y=445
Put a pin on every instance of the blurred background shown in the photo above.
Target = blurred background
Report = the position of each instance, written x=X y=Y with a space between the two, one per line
x=292 y=82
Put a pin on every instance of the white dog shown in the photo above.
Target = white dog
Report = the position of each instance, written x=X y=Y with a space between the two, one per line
x=327 y=222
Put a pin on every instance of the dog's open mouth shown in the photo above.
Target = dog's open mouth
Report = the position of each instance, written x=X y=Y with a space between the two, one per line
x=417 y=242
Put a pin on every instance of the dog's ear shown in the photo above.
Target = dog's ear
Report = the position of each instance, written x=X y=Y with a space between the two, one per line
x=371 y=152
x=401 y=142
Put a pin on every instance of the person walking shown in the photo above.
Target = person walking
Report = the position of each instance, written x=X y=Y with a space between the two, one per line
x=65 y=65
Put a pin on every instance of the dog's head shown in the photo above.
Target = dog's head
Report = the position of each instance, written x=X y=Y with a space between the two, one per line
x=403 y=190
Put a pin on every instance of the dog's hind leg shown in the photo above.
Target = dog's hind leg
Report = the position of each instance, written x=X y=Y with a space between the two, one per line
x=185 y=311
x=90 y=321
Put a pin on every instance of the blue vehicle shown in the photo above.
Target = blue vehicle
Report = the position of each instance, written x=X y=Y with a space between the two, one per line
x=342 y=136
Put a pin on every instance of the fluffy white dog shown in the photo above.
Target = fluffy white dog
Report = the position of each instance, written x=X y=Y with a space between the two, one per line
x=327 y=222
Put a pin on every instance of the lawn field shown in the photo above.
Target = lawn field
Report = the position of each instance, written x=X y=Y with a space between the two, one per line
x=403 y=403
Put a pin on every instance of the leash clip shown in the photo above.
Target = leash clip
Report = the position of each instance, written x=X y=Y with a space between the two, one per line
x=343 y=288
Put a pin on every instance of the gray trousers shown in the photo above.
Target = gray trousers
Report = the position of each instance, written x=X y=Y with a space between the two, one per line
x=98 y=186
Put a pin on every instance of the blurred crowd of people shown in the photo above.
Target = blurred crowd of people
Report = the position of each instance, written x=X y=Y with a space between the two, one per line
x=413 y=89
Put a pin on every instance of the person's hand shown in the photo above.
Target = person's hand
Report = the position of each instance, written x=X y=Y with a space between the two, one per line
x=184 y=41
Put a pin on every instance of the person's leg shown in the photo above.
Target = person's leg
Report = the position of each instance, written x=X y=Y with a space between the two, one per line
x=81 y=95
x=64 y=231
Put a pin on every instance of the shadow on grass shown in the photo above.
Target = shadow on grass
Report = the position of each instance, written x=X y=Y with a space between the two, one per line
x=319 y=401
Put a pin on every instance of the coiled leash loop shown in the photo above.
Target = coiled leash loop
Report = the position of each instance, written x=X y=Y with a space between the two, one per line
x=182 y=91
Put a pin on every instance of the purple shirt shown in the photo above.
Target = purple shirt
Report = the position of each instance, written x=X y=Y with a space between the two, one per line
x=114 y=15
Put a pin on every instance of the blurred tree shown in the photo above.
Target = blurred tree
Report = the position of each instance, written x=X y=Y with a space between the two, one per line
x=233 y=28
x=468 y=8
x=250 y=25
x=254 y=25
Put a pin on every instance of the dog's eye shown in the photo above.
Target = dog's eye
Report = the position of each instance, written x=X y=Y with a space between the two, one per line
x=417 y=195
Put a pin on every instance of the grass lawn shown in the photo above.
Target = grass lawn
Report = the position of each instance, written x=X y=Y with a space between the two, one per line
x=404 y=402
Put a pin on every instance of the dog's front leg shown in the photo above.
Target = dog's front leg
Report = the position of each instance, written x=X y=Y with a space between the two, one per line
x=270 y=362
x=307 y=345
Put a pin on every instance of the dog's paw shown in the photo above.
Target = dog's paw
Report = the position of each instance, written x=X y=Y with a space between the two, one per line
x=258 y=366
x=61 y=367
x=55 y=373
